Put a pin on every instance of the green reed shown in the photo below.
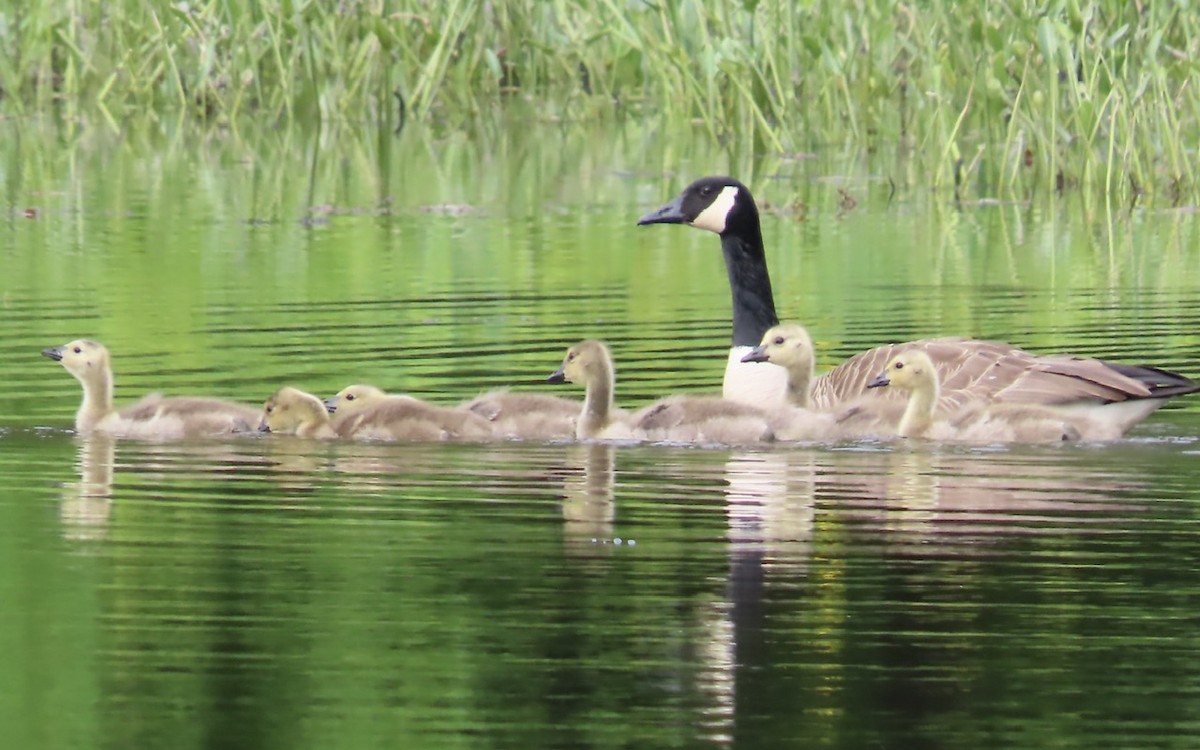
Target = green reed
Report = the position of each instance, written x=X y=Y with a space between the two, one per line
x=995 y=100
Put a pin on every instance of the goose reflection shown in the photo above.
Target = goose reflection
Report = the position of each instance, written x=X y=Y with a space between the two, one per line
x=770 y=506
x=87 y=504
x=955 y=500
x=588 y=508
x=911 y=491
x=795 y=516
x=295 y=465
x=946 y=496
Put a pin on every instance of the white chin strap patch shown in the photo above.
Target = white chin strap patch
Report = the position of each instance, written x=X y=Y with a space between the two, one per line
x=713 y=218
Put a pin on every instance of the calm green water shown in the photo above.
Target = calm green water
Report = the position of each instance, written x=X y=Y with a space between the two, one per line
x=276 y=593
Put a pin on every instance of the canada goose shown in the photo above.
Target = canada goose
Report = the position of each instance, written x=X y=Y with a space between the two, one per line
x=367 y=412
x=704 y=419
x=725 y=206
x=527 y=416
x=969 y=370
x=355 y=399
x=1111 y=395
x=676 y=418
x=790 y=346
x=913 y=372
x=290 y=411
x=156 y=416
x=589 y=364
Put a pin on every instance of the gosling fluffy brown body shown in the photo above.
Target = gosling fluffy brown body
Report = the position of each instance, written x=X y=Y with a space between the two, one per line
x=914 y=373
x=369 y=413
x=689 y=419
x=790 y=346
x=291 y=411
x=155 y=417
x=527 y=416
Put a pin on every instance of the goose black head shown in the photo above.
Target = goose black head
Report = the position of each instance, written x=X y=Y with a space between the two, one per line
x=724 y=206
x=718 y=204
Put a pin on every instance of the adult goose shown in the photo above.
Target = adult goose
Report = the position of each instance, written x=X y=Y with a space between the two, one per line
x=154 y=417
x=1117 y=394
x=724 y=206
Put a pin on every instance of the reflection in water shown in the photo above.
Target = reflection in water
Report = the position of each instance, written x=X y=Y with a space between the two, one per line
x=371 y=467
x=911 y=490
x=765 y=581
x=927 y=494
x=295 y=464
x=770 y=504
x=770 y=510
x=87 y=504
x=588 y=508
x=715 y=679
x=953 y=498
x=783 y=504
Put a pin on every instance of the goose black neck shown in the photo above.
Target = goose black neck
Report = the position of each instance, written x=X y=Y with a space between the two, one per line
x=750 y=284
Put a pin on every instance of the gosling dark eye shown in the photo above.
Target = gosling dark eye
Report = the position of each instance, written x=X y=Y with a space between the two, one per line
x=270 y=410
x=78 y=350
x=349 y=396
x=779 y=341
x=899 y=365
x=571 y=357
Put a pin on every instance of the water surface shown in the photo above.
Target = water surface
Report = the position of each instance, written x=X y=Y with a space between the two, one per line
x=260 y=592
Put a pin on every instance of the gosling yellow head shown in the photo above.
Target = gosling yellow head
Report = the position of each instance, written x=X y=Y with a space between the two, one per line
x=83 y=358
x=353 y=399
x=290 y=411
x=787 y=344
x=907 y=371
x=583 y=363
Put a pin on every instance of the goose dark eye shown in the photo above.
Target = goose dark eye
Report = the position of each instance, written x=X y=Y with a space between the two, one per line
x=899 y=365
x=270 y=409
x=349 y=396
x=78 y=350
x=779 y=341
x=571 y=357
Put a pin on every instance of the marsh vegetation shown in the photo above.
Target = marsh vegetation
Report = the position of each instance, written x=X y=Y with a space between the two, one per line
x=992 y=100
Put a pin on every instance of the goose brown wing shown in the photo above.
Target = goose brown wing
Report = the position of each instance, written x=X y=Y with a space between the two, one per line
x=989 y=371
x=954 y=360
x=1057 y=380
